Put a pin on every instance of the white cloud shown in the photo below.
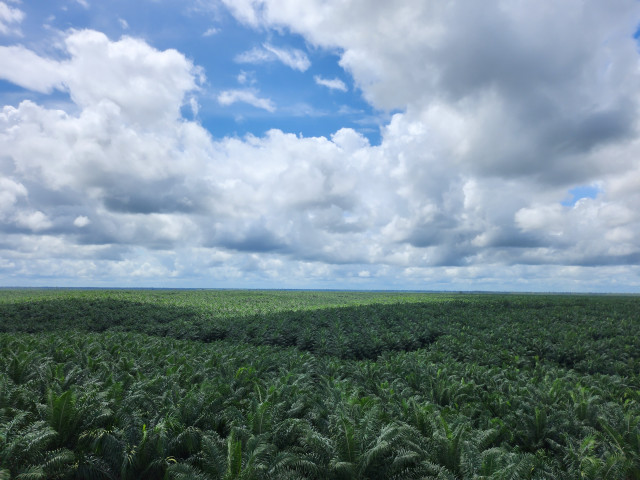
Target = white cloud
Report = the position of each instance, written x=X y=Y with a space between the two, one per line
x=25 y=68
x=503 y=101
x=211 y=31
x=255 y=55
x=250 y=96
x=463 y=191
x=548 y=218
x=10 y=192
x=146 y=85
x=195 y=106
x=246 y=78
x=123 y=23
x=293 y=58
x=10 y=19
x=81 y=221
x=33 y=220
x=331 y=83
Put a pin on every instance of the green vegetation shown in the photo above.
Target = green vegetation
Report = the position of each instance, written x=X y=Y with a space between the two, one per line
x=150 y=384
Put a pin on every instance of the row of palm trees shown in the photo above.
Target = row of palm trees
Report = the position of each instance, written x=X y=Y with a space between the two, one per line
x=587 y=334
x=126 y=405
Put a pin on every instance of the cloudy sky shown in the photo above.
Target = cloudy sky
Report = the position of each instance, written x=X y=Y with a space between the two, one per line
x=361 y=144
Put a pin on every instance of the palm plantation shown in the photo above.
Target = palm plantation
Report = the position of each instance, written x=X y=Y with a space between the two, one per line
x=318 y=385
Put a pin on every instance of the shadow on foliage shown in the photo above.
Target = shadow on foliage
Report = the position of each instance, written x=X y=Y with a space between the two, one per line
x=357 y=332
x=88 y=315
x=572 y=332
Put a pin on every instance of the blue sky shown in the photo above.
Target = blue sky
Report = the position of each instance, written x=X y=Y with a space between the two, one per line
x=211 y=37
x=406 y=144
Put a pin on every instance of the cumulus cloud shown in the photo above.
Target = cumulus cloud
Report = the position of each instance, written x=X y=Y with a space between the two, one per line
x=520 y=102
x=33 y=220
x=503 y=110
x=331 y=83
x=10 y=192
x=81 y=221
x=144 y=85
x=250 y=96
x=291 y=57
x=119 y=160
x=102 y=177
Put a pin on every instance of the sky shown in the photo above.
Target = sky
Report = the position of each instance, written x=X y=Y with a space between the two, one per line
x=322 y=144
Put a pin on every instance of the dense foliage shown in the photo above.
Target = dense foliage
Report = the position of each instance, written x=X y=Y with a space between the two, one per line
x=318 y=385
